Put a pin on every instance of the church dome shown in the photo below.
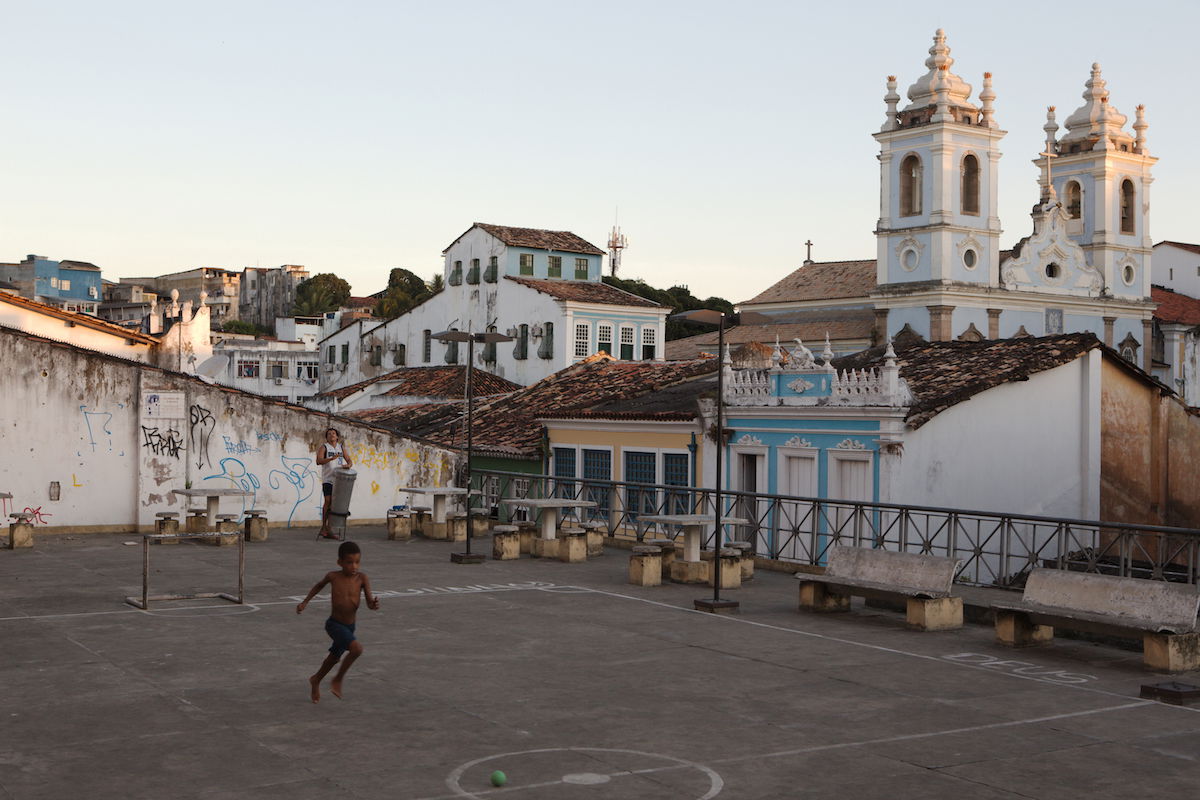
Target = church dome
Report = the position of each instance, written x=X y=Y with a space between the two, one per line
x=925 y=90
x=1097 y=117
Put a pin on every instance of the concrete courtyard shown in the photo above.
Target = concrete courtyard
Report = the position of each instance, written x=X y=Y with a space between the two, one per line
x=565 y=677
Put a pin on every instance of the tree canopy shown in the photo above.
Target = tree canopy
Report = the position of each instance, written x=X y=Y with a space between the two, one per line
x=404 y=291
x=679 y=298
x=321 y=293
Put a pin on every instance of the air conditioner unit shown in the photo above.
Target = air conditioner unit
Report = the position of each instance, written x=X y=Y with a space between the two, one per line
x=279 y=381
x=535 y=331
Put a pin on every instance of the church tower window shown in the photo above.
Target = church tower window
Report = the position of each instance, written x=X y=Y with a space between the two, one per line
x=970 y=185
x=910 y=186
x=1074 y=200
x=1127 y=201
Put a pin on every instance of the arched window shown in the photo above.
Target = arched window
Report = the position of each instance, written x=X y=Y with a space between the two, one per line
x=970 y=185
x=910 y=186
x=1127 y=201
x=1074 y=200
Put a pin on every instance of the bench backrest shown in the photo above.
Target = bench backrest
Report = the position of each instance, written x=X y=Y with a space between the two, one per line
x=930 y=574
x=1163 y=606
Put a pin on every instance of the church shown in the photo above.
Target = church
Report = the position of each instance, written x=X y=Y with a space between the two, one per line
x=940 y=272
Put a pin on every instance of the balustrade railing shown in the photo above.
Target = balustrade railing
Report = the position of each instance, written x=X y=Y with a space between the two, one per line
x=996 y=549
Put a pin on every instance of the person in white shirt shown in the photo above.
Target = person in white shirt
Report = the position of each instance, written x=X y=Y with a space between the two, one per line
x=331 y=455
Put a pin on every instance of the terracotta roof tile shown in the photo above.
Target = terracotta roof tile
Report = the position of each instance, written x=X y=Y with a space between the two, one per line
x=850 y=324
x=538 y=239
x=448 y=381
x=825 y=280
x=86 y=320
x=586 y=292
x=508 y=425
x=1191 y=248
x=1175 y=307
x=944 y=374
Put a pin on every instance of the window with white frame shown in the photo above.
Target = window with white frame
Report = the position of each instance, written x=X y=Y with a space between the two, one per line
x=649 y=339
x=276 y=369
x=604 y=338
x=307 y=370
x=627 y=342
x=65 y=285
x=583 y=343
x=247 y=369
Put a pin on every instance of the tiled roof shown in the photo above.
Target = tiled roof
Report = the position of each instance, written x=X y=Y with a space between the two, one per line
x=1175 y=307
x=447 y=381
x=538 y=239
x=944 y=374
x=1191 y=248
x=359 y=302
x=586 y=292
x=508 y=425
x=812 y=327
x=675 y=403
x=825 y=280
x=86 y=320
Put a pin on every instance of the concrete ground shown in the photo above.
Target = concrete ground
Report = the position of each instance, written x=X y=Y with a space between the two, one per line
x=566 y=678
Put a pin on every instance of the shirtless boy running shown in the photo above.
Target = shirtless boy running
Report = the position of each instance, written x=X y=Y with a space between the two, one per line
x=345 y=586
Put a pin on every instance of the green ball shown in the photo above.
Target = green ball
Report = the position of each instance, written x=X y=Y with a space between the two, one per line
x=499 y=778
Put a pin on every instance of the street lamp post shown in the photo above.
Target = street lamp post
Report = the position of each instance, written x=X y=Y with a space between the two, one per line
x=488 y=337
x=710 y=316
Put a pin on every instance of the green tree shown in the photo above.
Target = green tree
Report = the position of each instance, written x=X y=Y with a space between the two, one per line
x=678 y=298
x=404 y=290
x=436 y=283
x=239 y=326
x=321 y=293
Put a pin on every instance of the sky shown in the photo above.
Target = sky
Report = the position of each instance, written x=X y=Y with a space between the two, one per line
x=152 y=137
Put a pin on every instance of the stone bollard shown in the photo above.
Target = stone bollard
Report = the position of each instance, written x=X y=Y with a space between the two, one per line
x=528 y=531
x=421 y=517
x=456 y=526
x=731 y=569
x=645 y=566
x=479 y=525
x=254 y=528
x=668 y=554
x=543 y=548
x=506 y=542
x=166 y=523
x=399 y=526
x=746 y=558
x=20 y=531
x=227 y=525
x=197 y=520
x=572 y=546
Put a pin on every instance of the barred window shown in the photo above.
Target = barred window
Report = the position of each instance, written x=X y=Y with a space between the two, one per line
x=554 y=266
x=581 y=269
x=582 y=339
x=649 y=339
x=604 y=338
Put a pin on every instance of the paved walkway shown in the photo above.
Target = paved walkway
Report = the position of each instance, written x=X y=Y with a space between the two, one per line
x=571 y=681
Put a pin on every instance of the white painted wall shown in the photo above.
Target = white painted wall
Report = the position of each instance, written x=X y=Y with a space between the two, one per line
x=83 y=421
x=1177 y=269
x=1019 y=448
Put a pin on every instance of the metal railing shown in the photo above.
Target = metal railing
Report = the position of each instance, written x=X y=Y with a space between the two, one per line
x=997 y=550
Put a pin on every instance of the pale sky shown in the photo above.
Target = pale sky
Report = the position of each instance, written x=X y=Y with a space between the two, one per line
x=152 y=137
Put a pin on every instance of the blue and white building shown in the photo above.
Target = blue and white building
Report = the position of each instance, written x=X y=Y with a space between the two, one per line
x=69 y=285
x=541 y=287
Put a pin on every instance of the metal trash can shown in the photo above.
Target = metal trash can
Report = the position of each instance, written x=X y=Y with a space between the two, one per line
x=343 y=488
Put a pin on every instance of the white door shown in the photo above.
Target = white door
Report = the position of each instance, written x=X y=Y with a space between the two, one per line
x=851 y=482
x=797 y=519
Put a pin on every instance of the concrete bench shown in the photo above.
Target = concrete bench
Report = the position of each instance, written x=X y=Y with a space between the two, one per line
x=20 y=530
x=167 y=514
x=506 y=542
x=729 y=562
x=745 y=558
x=528 y=531
x=922 y=581
x=668 y=548
x=645 y=565
x=596 y=531
x=254 y=527
x=400 y=524
x=456 y=526
x=1162 y=614
x=572 y=545
x=197 y=520
x=166 y=522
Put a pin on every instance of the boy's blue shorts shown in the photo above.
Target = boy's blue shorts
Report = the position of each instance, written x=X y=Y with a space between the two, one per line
x=342 y=635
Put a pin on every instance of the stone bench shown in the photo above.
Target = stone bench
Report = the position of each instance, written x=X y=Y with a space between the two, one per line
x=645 y=565
x=400 y=524
x=729 y=562
x=596 y=531
x=506 y=542
x=572 y=545
x=20 y=530
x=254 y=527
x=745 y=558
x=197 y=520
x=456 y=526
x=166 y=522
x=922 y=581
x=528 y=531
x=1162 y=614
x=669 y=551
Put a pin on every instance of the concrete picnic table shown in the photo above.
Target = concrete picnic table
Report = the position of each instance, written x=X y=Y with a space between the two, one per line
x=693 y=526
x=547 y=508
x=440 y=495
x=213 y=497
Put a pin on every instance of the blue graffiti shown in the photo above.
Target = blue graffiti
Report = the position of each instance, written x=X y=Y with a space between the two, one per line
x=235 y=472
x=299 y=473
x=240 y=447
x=270 y=436
x=101 y=422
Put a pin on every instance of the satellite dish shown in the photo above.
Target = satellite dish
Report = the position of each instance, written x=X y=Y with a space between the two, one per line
x=213 y=367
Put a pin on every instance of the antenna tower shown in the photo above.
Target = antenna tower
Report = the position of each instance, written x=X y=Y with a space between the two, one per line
x=616 y=243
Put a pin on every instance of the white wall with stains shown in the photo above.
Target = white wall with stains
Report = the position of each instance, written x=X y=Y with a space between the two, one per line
x=90 y=442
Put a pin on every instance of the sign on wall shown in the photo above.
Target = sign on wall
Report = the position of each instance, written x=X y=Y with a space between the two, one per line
x=164 y=405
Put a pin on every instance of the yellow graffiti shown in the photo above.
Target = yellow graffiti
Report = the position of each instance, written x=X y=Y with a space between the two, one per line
x=374 y=487
x=412 y=455
x=366 y=455
x=74 y=480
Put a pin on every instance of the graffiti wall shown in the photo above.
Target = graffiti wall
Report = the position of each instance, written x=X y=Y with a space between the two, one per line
x=92 y=442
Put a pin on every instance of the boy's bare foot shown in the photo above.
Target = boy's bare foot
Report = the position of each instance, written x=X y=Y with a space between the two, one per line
x=316 y=688
x=335 y=686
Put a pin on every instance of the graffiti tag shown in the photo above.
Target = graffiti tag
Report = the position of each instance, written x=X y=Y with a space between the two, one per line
x=39 y=516
x=1026 y=668
x=168 y=442
x=299 y=474
x=202 y=424
x=240 y=447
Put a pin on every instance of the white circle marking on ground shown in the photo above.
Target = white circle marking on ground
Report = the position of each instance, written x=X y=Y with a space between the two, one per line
x=716 y=784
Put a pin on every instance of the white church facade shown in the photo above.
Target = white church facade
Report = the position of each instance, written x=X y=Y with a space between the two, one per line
x=940 y=270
